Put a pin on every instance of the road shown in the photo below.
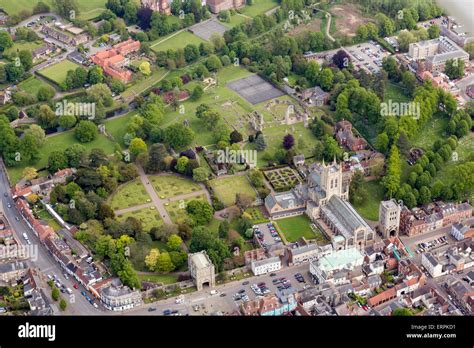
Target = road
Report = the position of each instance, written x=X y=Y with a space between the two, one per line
x=226 y=304
x=77 y=305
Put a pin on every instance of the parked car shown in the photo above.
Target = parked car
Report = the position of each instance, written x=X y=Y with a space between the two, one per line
x=246 y=283
x=167 y=312
x=76 y=286
x=83 y=293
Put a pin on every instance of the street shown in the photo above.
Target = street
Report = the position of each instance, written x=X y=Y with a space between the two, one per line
x=77 y=304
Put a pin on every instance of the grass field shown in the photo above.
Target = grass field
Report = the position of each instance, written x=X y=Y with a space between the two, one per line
x=87 y=8
x=433 y=130
x=259 y=7
x=220 y=98
x=177 y=209
x=32 y=85
x=128 y=195
x=148 y=217
x=60 y=142
x=395 y=93
x=167 y=186
x=174 y=41
x=23 y=45
x=295 y=227
x=145 y=83
x=227 y=188
x=57 y=72
x=369 y=209
x=158 y=278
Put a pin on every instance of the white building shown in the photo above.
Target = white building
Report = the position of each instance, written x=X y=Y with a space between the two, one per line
x=460 y=231
x=326 y=267
x=266 y=265
x=431 y=264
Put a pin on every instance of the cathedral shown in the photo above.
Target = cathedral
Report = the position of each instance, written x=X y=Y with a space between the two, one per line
x=324 y=199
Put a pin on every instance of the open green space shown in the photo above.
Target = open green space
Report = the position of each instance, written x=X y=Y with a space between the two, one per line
x=177 y=209
x=116 y=126
x=433 y=130
x=57 y=72
x=32 y=85
x=293 y=228
x=256 y=215
x=87 y=8
x=60 y=142
x=259 y=7
x=148 y=217
x=175 y=41
x=128 y=195
x=229 y=104
x=395 y=93
x=227 y=188
x=44 y=215
x=146 y=82
x=23 y=46
x=167 y=186
x=158 y=278
x=369 y=208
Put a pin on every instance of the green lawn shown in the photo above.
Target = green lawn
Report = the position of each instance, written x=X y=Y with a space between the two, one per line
x=230 y=105
x=148 y=217
x=395 y=93
x=60 y=142
x=369 y=209
x=227 y=188
x=235 y=20
x=158 y=278
x=145 y=83
x=23 y=45
x=167 y=186
x=116 y=126
x=432 y=131
x=87 y=8
x=57 y=72
x=295 y=227
x=177 y=209
x=32 y=85
x=128 y=195
x=259 y=7
x=175 y=41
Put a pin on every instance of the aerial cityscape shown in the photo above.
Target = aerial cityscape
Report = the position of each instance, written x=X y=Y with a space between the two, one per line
x=236 y=158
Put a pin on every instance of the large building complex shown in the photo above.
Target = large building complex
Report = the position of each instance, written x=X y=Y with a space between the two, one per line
x=437 y=52
x=114 y=60
x=324 y=199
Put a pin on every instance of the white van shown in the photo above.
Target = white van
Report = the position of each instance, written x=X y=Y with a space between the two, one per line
x=25 y=236
x=69 y=291
x=213 y=292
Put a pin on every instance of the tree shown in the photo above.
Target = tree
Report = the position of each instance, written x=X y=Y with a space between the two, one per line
x=402 y=312
x=201 y=212
x=156 y=158
x=181 y=164
x=213 y=63
x=409 y=83
x=178 y=136
x=86 y=131
x=235 y=137
x=260 y=143
x=198 y=91
x=433 y=31
x=288 y=141
x=151 y=258
x=41 y=7
x=164 y=263
x=341 y=59
x=200 y=174
x=5 y=41
x=37 y=133
x=326 y=79
x=46 y=117
x=55 y=294
x=454 y=68
x=405 y=38
x=145 y=68
x=391 y=180
x=57 y=160
x=67 y=121
x=26 y=59
x=174 y=242
x=62 y=305
x=137 y=146
x=243 y=201
x=29 y=173
x=224 y=227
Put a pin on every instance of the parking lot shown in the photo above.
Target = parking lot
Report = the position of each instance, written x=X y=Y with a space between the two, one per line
x=431 y=244
x=267 y=235
x=368 y=56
